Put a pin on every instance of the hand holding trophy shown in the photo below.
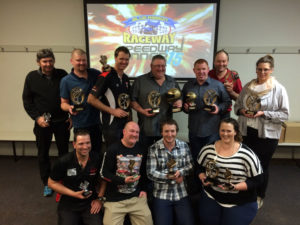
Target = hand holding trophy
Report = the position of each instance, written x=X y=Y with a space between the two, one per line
x=190 y=98
x=209 y=98
x=154 y=99
x=173 y=95
x=103 y=61
x=253 y=104
x=171 y=164
x=212 y=172
x=77 y=97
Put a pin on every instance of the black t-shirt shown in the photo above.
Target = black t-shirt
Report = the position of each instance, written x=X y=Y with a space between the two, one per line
x=116 y=168
x=68 y=170
x=108 y=88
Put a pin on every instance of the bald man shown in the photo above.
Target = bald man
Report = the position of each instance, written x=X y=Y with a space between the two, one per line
x=124 y=170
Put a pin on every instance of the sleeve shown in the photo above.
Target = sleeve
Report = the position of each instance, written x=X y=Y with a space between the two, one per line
x=239 y=101
x=58 y=171
x=100 y=87
x=109 y=166
x=282 y=113
x=255 y=171
x=224 y=101
x=28 y=101
x=152 y=168
x=200 y=168
x=64 y=91
x=238 y=86
x=188 y=161
x=135 y=89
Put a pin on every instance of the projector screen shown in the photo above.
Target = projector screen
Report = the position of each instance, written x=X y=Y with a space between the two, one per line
x=182 y=32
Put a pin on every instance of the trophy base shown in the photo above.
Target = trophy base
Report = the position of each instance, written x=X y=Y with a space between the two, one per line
x=86 y=193
x=155 y=111
x=210 y=108
x=175 y=110
x=228 y=187
x=77 y=108
x=170 y=175
x=252 y=113
x=212 y=180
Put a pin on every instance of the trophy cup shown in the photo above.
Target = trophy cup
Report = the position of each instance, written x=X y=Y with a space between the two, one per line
x=227 y=185
x=103 y=61
x=211 y=171
x=124 y=101
x=171 y=170
x=77 y=97
x=252 y=104
x=154 y=99
x=190 y=99
x=209 y=98
x=84 y=186
x=172 y=96
x=47 y=117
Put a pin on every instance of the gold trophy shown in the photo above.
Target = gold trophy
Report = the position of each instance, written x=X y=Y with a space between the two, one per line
x=171 y=170
x=209 y=98
x=190 y=98
x=77 y=97
x=212 y=172
x=124 y=101
x=47 y=117
x=103 y=61
x=154 y=99
x=253 y=104
x=172 y=96
x=227 y=185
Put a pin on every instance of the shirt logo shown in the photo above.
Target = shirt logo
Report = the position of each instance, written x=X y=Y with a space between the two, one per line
x=71 y=172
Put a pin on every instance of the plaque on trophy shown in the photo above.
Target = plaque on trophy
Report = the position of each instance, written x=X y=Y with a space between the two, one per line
x=209 y=98
x=172 y=96
x=190 y=98
x=171 y=168
x=154 y=99
x=103 y=61
x=227 y=185
x=84 y=186
x=124 y=101
x=77 y=97
x=252 y=104
x=47 y=117
x=212 y=172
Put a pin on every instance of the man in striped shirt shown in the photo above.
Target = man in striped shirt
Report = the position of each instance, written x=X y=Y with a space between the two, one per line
x=169 y=161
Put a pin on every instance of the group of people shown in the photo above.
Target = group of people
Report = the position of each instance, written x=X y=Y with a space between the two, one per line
x=145 y=160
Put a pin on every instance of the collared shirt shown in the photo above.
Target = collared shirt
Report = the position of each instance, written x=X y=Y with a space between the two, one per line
x=142 y=86
x=202 y=123
x=90 y=115
x=157 y=169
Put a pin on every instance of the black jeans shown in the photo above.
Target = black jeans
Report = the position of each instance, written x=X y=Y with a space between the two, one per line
x=84 y=217
x=264 y=148
x=43 y=141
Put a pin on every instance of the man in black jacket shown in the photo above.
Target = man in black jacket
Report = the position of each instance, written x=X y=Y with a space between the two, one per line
x=41 y=101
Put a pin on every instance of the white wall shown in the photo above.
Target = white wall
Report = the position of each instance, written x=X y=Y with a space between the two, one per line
x=257 y=25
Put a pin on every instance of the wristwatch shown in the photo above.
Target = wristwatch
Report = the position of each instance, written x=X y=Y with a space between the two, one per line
x=102 y=199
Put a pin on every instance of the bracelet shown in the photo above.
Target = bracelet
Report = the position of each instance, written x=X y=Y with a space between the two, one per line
x=102 y=199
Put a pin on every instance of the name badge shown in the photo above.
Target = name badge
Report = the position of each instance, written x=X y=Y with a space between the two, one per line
x=71 y=172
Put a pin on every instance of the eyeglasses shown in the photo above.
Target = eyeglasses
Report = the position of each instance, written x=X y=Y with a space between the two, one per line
x=262 y=70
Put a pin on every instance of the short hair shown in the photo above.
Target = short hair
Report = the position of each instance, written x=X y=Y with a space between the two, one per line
x=168 y=122
x=266 y=59
x=200 y=61
x=158 y=57
x=78 y=51
x=80 y=133
x=238 y=137
x=122 y=49
x=222 y=51
x=44 y=53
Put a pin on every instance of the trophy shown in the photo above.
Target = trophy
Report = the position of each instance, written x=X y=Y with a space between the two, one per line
x=77 y=97
x=211 y=171
x=190 y=99
x=252 y=104
x=131 y=167
x=84 y=186
x=124 y=101
x=172 y=96
x=171 y=170
x=47 y=117
x=209 y=98
x=227 y=185
x=154 y=99
x=103 y=61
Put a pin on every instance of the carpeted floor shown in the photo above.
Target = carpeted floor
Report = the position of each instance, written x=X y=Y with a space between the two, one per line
x=22 y=202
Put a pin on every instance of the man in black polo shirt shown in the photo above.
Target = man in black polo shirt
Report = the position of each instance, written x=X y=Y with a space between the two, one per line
x=75 y=176
x=41 y=101
x=105 y=94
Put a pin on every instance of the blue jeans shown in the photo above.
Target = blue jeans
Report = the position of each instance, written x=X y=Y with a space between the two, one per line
x=163 y=212
x=211 y=213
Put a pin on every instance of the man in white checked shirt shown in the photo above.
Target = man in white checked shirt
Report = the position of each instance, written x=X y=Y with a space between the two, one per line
x=169 y=161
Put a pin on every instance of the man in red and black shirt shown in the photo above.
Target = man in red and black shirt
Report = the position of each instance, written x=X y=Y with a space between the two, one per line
x=229 y=78
x=105 y=96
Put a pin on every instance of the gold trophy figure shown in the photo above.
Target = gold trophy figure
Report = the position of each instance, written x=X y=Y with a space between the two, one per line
x=190 y=98
x=212 y=172
x=253 y=104
x=227 y=185
x=209 y=98
x=154 y=99
x=124 y=101
x=172 y=96
x=77 y=97
x=171 y=170
x=103 y=61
